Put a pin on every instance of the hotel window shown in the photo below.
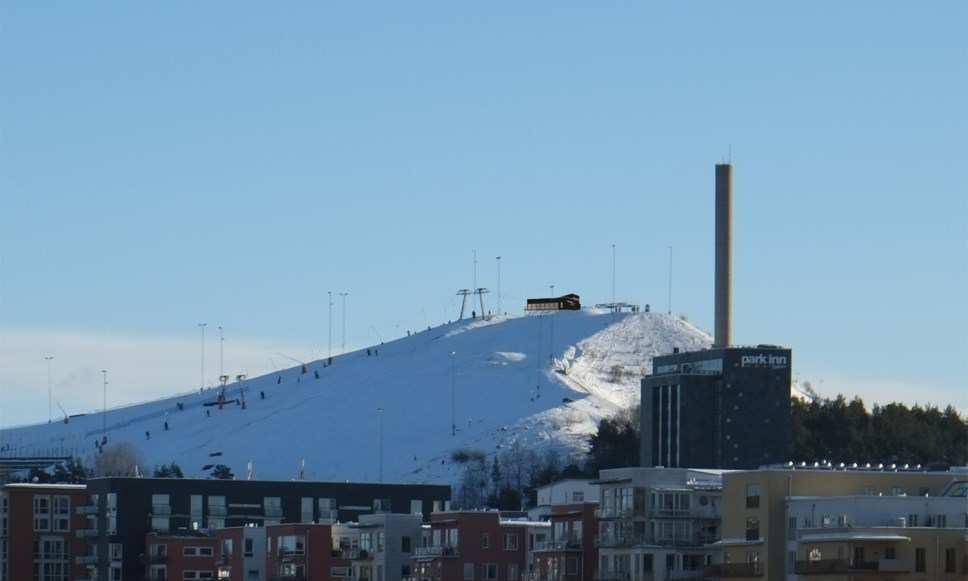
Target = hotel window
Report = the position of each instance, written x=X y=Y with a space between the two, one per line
x=41 y=513
x=62 y=514
x=306 y=510
x=752 y=496
x=752 y=529
x=511 y=542
x=920 y=560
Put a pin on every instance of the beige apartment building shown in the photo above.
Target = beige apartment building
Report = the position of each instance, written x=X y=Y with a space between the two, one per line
x=761 y=539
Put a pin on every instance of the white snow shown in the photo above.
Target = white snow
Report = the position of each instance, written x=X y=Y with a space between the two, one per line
x=544 y=380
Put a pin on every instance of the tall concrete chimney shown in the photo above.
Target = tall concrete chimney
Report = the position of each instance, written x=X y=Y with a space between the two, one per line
x=724 y=255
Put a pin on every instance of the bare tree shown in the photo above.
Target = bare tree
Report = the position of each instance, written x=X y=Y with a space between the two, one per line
x=121 y=459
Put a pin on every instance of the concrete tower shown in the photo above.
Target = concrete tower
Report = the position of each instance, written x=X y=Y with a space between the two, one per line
x=724 y=256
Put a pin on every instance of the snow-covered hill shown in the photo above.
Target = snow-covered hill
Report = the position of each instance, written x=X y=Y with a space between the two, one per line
x=542 y=380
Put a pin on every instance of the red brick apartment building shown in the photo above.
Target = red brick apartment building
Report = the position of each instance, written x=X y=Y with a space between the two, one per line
x=40 y=528
x=474 y=546
x=303 y=552
x=183 y=556
x=570 y=553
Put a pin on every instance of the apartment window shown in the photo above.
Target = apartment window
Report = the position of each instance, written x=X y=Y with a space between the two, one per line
x=752 y=529
x=216 y=506
x=752 y=496
x=293 y=544
x=195 y=511
x=485 y=541
x=452 y=538
x=192 y=575
x=381 y=505
x=272 y=505
x=898 y=491
x=920 y=560
x=228 y=547
x=490 y=572
x=513 y=573
x=327 y=510
x=578 y=496
x=405 y=544
x=912 y=520
x=468 y=571
x=576 y=531
x=158 y=573
x=416 y=507
x=41 y=513
x=950 y=560
x=792 y=524
x=248 y=550
x=858 y=555
x=62 y=514
x=306 y=510
x=890 y=553
x=115 y=551
x=940 y=521
x=155 y=551
x=571 y=565
x=216 y=522
x=511 y=542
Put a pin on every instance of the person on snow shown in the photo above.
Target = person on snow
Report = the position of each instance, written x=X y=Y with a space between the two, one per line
x=316 y=373
x=147 y=435
x=166 y=421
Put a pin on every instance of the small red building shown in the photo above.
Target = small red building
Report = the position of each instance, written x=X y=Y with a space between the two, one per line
x=473 y=546
x=180 y=556
x=304 y=552
x=42 y=531
x=570 y=554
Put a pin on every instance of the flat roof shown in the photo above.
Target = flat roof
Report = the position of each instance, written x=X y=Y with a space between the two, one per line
x=49 y=485
x=853 y=536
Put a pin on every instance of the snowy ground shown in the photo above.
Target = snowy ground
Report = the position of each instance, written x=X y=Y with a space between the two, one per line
x=542 y=380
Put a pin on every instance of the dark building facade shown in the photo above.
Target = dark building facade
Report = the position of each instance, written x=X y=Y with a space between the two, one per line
x=124 y=510
x=717 y=408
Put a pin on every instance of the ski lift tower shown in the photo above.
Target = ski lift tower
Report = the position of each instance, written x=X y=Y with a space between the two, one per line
x=480 y=292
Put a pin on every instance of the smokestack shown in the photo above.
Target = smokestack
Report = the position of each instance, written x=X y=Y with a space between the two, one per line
x=724 y=255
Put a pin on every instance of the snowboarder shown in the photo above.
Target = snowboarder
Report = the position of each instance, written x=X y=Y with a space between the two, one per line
x=147 y=435
x=166 y=421
x=262 y=395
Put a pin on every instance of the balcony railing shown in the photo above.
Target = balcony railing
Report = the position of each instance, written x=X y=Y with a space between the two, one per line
x=441 y=551
x=619 y=541
x=728 y=570
x=569 y=544
x=638 y=511
x=290 y=553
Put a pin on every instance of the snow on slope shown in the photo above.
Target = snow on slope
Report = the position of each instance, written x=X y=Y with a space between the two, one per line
x=541 y=380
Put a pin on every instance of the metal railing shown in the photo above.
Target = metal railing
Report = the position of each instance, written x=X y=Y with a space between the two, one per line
x=438 y=551
x=727 y=570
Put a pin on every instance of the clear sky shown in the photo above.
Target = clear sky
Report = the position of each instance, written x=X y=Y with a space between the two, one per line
x=168 y=163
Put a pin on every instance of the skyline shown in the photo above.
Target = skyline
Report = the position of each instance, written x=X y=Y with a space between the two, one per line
x=236 y=178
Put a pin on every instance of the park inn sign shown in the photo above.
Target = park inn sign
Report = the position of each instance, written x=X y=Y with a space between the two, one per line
x=764 y=360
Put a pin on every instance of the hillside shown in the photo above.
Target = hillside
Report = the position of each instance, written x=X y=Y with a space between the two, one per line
x=543 y=380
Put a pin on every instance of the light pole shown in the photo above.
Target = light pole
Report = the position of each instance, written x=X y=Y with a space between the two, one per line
x=330 y=295
x=670 y=280
x=499 y=309
x=342 y=347
x=50 y=392
x=379 y=412
x=453 y=395
x=221 y=351
x=613 y=275
x=551 y=331
x=202 y=327
x=104 y=415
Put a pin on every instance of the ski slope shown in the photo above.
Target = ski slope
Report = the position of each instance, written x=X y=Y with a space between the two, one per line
x=542 y=380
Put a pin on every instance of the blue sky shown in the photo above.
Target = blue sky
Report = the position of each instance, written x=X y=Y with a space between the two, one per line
x=231 y=162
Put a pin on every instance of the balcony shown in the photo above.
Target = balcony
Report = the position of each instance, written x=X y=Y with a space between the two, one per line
x=291 y=553
x=85 y=533
x=86 y=560
x=569 y=544
x=432 y=552
x=619 y=541
x=731 y=570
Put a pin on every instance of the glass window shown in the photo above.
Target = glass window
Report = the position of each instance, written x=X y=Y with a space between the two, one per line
x=485 y=541
x=416 y=507
x=490 y=572
x=511 y=542
x=513 y=572
x=468 y=571
x=752 y=529
x=920 y=560
x=306 y=510
x=752 y=496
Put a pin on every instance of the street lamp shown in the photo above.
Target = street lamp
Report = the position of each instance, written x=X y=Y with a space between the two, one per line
x=50 y=393
x=202 y=327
